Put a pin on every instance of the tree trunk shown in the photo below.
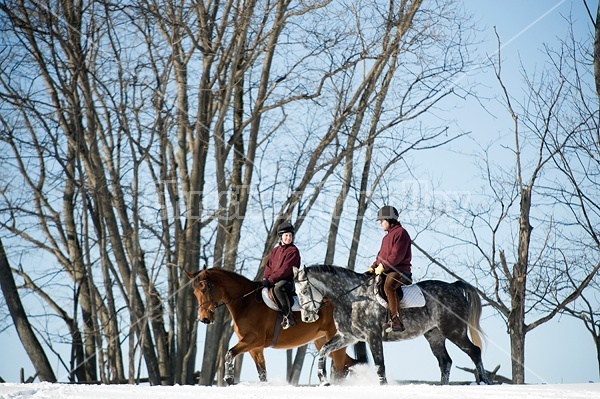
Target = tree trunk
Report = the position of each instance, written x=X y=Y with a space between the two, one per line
x=76 y=267
x=338 y=208
x=597 y=342
x=517 y=340
x=518 y=284
x=211 y=348
x=597 y=55
x=296 y=368
x=17 y=312
x=363 y=203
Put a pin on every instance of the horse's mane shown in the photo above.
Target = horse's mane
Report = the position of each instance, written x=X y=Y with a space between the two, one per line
x=224 y=275
x=332 y=269
x=229 y=273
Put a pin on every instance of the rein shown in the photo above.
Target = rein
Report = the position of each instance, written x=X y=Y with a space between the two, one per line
x=210 y=294
x=336 y=298
x=343 y=294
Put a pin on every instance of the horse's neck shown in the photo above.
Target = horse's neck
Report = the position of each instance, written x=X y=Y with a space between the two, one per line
x=233 y=287
x=337 y=288
x=235 y=297
x=329 y=287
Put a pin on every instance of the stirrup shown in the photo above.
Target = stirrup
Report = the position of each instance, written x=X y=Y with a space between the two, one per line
x=398 y=327
x=288 y=321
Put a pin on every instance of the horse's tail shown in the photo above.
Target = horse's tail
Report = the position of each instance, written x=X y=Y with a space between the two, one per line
x=474 y=301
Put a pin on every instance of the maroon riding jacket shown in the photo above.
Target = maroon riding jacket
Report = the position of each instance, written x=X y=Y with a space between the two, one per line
x=282 y=260
x=395 y=253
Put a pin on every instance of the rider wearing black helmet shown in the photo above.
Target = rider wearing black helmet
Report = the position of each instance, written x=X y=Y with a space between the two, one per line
x=279 y=271
x=394 y=261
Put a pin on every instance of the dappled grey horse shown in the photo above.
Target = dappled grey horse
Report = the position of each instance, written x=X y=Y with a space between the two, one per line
x=448 y=311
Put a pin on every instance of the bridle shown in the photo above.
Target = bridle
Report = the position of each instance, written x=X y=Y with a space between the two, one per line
x=215 y=305
x=211 y=300
x=317 y=304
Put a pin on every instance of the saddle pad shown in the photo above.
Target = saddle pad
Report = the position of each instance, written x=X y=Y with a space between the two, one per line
x=413 y=297
x=271 y=303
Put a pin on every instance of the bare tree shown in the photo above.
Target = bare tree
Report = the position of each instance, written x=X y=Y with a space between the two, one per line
x=585 y=308
x=30 y=342
x=596 y=47
x=144 y=139
x=579 y=166
x=541 y=214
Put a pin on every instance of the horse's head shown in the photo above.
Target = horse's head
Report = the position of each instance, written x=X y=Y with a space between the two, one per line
x=310 y=298
x=207 y=296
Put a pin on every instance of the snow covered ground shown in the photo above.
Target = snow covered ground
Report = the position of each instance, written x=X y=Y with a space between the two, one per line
x=283 y=391
x=361 y=386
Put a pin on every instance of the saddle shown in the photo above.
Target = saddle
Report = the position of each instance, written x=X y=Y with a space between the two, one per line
x=411 y=296
x=269 y=300
x=267 y=296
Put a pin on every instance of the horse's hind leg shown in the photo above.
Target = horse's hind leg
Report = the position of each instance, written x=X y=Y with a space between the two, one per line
x=438 y=346
x=474 y=352
x=259 y=360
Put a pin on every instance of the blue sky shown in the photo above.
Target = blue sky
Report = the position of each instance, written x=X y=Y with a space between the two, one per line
x=559 y=351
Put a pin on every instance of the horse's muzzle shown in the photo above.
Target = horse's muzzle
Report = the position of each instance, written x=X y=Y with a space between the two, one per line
x=206 y=320
x=310 y=318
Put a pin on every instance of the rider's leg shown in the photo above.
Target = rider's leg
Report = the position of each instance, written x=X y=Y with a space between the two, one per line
x=392 y=282
x=283 y=290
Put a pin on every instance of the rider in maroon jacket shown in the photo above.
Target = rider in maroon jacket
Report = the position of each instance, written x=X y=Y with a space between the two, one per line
x=279 y=272
x=393 y=260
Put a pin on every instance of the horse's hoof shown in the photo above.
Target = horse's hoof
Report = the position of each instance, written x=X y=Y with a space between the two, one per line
x=229 y=380
x=325 y=384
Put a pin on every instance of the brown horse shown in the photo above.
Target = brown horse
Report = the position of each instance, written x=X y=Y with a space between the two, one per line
x=257 y=325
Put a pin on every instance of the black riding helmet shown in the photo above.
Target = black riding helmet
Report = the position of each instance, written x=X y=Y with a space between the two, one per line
x=387 y=212
x=285 y=227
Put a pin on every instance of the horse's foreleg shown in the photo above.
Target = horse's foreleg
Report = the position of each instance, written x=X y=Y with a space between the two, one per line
x=229 y=368
x=335 y=343
x=259 y=361
x=248 y=343
x=341 y=364
x=377 y=352
x=322 y=370
x=321 y=365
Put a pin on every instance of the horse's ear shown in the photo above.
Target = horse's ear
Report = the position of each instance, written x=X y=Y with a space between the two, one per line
x=190 y=275
x=204 y=267
x=295 y=269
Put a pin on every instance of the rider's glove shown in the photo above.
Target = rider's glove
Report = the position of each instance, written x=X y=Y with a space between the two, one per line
x=370 y=271
x=379 y=269
x=266 y=283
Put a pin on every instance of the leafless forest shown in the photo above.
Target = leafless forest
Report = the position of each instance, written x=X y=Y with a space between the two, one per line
x=143 y=139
